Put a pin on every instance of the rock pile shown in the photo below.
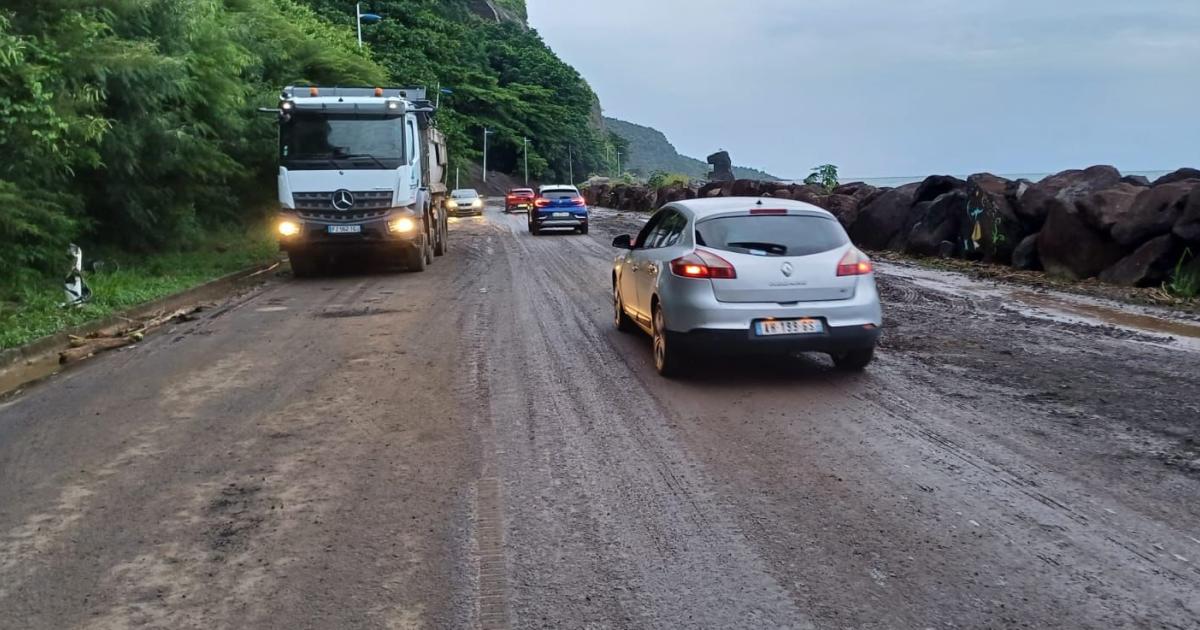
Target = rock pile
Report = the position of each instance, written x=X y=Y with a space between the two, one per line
x=1079 y=224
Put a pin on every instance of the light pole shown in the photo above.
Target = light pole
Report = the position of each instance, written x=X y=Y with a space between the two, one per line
x=360 y=17
x=486 y=132
x=618 y=163
x=571 y=163
x=526 y=139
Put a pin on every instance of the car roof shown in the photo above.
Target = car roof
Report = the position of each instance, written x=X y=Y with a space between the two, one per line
x=702 y=208
x=520 y=189
x=464 y=191
x=558 y=187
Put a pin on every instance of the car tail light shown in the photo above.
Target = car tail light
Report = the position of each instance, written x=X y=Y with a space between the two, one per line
x=854 y=263
x=702 y=264
x=578 y=201
x=541 y=202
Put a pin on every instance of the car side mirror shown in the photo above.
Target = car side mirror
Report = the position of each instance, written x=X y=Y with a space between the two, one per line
x=623 y=242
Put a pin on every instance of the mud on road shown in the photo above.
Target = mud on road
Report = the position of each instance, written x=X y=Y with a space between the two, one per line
x=475 y=446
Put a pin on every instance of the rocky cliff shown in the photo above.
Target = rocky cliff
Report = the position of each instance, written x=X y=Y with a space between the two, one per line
x=649 y=151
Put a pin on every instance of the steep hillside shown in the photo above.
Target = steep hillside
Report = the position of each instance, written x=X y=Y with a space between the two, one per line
x=501 y=75
x=649 y=151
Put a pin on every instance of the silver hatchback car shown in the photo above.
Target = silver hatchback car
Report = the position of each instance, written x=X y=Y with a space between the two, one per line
x=746 y=275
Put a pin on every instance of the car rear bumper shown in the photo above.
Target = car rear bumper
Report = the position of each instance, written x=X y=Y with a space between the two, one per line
x=833 y=340
x=547 y=220
x=690 y=305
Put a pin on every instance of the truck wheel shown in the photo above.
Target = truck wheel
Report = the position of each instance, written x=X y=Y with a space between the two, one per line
x=439 y=249
x=304 y=264
x=417 y=259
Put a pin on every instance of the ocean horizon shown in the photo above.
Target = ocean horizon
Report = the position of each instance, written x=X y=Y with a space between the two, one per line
x=893 y=182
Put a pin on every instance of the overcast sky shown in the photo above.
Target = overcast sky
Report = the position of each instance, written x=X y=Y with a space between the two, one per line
x=897 y=87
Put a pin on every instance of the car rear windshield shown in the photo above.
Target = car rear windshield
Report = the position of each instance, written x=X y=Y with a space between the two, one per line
x=522 y=191
x=559 y=193
x=769 y=235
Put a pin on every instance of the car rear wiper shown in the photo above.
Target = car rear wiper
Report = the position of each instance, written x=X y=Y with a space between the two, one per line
x=772 y=248
x=364 y=156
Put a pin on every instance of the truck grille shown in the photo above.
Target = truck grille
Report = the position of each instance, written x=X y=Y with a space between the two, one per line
x=323 y=201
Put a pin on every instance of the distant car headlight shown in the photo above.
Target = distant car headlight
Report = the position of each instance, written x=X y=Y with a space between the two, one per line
x=452 y=203
x=289 y=228
x=478 y=203
x=403 y=224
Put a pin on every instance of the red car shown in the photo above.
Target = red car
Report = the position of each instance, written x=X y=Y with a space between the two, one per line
x=519 y=199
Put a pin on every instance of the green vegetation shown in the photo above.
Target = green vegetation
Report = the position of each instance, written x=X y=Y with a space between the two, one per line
x=125 y=280
x=825 y=176
x=659 y=179
x=649 y=151
x=1185 y=279
x=502 y=75
x=130 y=123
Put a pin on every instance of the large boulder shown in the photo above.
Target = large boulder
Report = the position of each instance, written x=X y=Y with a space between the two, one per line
x=1069 y=247
x=935 y=186
x=747 y=188
x=989 y=229
x=722 y=167
x=1062 y=190
x=937 y=223
x=1136 y=180
x=808 y=193
x=1154 y=212
x=880 y=221
x=711 y=189
x=1025 y=256
x=1178 y=176
x=1188 y=225
x=844 y=207
x=1106 y=208
x=1147 y=266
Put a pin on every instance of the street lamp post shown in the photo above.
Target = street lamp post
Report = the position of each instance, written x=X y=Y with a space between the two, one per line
x=360 y=17
x=618 y=163
x=486 y=132
x=526 y=139
x=571 y=163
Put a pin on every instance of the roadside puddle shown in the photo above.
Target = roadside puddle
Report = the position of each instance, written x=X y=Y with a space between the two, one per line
x=1121 y=319
x=21 y=374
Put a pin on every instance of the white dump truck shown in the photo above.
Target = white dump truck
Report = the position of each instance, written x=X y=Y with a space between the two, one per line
x=360 y=169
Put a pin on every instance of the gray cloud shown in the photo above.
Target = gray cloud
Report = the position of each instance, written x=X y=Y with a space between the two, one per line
x=886 y=87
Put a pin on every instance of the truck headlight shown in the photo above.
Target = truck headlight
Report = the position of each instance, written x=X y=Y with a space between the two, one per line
x=289 y=228
x=403 y=224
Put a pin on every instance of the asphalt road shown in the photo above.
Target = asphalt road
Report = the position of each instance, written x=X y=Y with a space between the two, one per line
x=476 y=446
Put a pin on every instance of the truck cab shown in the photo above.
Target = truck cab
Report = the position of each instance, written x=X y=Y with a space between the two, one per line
x=360 y=169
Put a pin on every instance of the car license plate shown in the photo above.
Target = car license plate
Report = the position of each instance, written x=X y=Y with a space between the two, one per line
x=345 y=229
x=562 y=214
x=774 y=327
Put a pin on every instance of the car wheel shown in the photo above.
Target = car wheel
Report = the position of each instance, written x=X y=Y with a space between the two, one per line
x=623 y=322
x=667 y=358
x=533 y=229
x=583 y=230
x=853 y=360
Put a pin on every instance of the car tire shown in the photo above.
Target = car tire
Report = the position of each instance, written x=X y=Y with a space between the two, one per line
x=853 y=360
x=668 y=360
x=304 y=265
x=622 y=321
x=583 y=230
x=533 y=229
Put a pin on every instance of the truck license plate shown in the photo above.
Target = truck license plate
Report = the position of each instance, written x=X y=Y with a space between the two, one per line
x=345 y=229
x=789 y=327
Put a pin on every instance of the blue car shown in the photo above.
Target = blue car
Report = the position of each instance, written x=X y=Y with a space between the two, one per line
x=558 y=207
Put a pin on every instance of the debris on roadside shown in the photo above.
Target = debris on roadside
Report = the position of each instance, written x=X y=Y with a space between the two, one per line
x=84 y=347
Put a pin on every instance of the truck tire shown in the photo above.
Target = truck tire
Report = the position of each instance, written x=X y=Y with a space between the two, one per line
x=304 y=264
x=417 y=259
x=443 y=234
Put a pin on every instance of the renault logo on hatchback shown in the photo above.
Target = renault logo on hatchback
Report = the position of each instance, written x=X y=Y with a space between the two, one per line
x=342 y=200
x=787 y=269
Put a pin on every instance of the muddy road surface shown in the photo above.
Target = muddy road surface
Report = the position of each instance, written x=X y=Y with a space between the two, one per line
x=476 y=447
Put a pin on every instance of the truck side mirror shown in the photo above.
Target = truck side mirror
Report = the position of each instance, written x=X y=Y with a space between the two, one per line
x=623 y=242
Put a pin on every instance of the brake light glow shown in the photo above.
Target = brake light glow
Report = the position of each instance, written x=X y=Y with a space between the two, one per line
x=703 y=264
x=541 y=202
x=854 y=263
x=770 y=211
x=578 y=201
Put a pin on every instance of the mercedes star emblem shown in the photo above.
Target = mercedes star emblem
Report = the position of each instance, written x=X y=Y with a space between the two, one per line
x=787 y=269
x=342 y=200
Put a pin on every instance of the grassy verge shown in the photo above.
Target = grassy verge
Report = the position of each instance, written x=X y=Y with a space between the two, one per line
x=127 y=280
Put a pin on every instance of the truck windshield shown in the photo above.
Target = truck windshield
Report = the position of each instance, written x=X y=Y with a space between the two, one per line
x=342 y=142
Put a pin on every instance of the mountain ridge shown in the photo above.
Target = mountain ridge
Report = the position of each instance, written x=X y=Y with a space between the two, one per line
x=650 y=151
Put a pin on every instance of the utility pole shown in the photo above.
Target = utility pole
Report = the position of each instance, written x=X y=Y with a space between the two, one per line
x=486 y=132
x=526 y=139
x=457 y=170
x=618 y=163
x=358 y=21
x=571 y=163
x=608 y=158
